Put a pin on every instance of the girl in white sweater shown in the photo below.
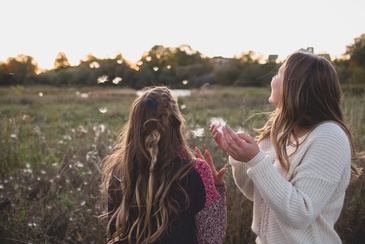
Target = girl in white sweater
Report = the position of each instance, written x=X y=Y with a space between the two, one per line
x=297 y=170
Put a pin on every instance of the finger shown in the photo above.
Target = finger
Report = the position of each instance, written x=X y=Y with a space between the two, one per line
x=213 y=129
x=221 y=172
x=219 y=176
x=245 y=137
x=229 y=132
x=210 y=162
x=199 y=153
x=230 y=141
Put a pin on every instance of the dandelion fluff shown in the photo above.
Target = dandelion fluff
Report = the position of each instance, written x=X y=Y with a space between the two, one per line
x=103 y=110
x=218 y=122
x=116 y=80
x=102 y=79
x=198 y=132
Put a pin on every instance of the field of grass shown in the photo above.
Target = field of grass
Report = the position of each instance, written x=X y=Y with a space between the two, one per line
x=53 y=139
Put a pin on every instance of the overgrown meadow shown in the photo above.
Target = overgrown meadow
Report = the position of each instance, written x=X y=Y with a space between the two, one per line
x=52 y=141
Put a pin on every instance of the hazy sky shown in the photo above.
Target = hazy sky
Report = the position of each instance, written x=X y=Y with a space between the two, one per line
x=43 y=28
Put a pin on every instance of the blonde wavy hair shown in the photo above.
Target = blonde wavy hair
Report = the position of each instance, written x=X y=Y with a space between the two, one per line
x=139 y=175
x=310 y=94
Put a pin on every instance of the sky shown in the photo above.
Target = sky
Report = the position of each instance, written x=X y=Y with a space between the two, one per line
x=43 y=28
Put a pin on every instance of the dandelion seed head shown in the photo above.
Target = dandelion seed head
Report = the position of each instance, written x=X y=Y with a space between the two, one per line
x=29 y=171
x=183 y=106
x=79 y=164
x=219 y=122
x=40 y=94
x=102 y=79
x=99 y=129
x=67 y=137
x=198 y=132
x=116 y=80
x=155 y=68
x=103 y=110
x=185 y=82
x=168 y=66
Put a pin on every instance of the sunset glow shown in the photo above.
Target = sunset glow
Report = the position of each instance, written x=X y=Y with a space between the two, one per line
x=42 y=29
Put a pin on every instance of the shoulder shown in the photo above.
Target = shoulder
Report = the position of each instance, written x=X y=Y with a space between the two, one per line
x=330 y=132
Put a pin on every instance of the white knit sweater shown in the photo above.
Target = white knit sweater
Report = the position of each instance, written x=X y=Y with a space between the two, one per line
x=302 y=206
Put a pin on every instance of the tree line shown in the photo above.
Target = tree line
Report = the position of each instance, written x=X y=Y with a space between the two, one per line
x=178 y=67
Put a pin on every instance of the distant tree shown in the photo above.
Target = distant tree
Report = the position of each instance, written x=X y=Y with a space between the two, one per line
x=356 y=53
x=22 y=69
x=184 y=55
x=227 y=73
x=61 y=61
x=153 y=62
x=343 y=70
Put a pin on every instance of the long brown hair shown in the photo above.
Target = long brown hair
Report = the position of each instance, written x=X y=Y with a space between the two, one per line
x=138 y=176
x=310 y=94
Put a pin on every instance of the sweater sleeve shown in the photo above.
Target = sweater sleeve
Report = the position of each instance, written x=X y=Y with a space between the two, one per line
x=243 y=182
x=211 y=221
x=322 y=176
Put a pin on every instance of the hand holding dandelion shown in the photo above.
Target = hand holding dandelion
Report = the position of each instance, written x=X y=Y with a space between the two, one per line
x=239 y=146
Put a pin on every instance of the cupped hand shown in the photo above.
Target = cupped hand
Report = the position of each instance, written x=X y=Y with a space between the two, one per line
x=217 y=176
x=239 y=146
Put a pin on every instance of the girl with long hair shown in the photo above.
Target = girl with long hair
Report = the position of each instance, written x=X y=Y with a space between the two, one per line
x=157 y=190
x=297 y=170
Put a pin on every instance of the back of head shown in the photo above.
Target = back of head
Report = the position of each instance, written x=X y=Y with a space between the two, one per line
x=152 y=158
x=156 y=113
x=311 y=92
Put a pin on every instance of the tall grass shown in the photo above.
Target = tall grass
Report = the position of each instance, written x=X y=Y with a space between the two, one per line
x=53 y=139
